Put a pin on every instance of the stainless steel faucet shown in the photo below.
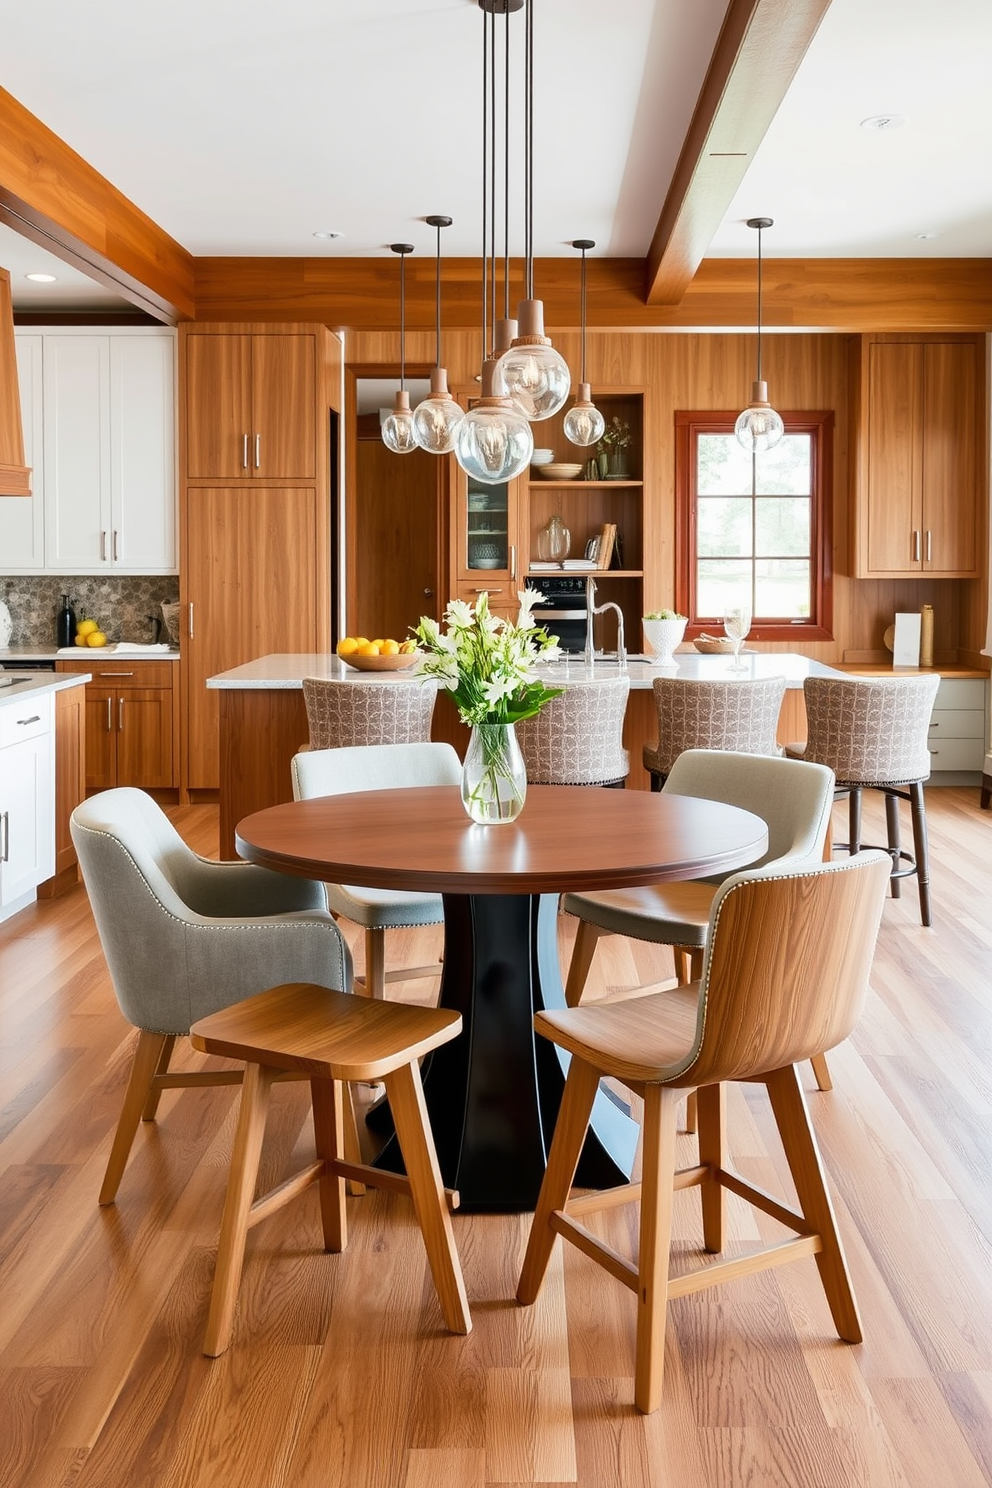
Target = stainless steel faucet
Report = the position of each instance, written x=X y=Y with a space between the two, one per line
x=594 y=609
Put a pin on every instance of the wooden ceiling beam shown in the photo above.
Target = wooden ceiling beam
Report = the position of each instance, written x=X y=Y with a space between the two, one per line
x=50 y=194
x=760 y=46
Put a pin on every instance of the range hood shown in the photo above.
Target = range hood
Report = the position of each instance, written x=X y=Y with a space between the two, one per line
x=15 y=476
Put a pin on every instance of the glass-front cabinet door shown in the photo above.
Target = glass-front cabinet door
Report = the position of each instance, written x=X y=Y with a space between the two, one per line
x=487 y=542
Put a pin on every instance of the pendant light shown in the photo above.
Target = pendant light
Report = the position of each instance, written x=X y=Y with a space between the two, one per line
x=398 y=431
x=532 y=371
x=437 y=417
x=584 y=423
x=493 y=442
x=759 y=427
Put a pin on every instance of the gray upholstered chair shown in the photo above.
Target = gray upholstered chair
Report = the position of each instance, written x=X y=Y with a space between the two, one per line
x=329 y=772
x=693 y=714
x=872 y=732
x=368 y=710
x=185 y=937
x=577 y=738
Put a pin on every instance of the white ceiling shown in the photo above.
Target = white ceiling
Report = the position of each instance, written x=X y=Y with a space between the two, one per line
x=244 y=126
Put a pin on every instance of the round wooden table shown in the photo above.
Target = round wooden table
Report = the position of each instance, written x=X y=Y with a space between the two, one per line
x=493 y=1093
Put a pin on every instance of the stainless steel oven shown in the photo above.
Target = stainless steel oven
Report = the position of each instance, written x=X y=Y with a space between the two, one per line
x=563 y=610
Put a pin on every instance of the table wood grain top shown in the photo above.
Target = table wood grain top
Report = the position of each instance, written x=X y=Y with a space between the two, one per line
x=567 y=838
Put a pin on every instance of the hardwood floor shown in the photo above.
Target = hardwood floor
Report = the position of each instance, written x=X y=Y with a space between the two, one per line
x=340 y=1372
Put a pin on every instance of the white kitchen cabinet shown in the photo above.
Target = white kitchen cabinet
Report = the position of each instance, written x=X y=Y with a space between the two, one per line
x=27 y=799
x=22 y=519
x=957 y=725
x=108 y=482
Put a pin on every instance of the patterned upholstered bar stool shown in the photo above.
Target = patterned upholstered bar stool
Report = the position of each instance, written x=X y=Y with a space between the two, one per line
x=577 y=738
x=739 y=716
x=368 y=711
x=872 y=732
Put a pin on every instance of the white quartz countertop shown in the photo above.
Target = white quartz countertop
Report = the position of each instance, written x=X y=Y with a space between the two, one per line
x=24 y=684
x=84 y=653
x=286 y=671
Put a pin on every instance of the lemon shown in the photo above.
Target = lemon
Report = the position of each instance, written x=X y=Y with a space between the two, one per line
x=361 y=641
x=369 y=649
x=379 y=641
x=80 y=640
x=389 y=648
x=86 y=627
x=96 y=638
x=347 y=646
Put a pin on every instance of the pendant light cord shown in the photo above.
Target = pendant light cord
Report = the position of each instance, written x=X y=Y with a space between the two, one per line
x=506 y=163
x=759 y=303
x=529 y=154
x=485 y=177
x=437 y=302
x=492 y=179
x=583 y=378
x=402 y=321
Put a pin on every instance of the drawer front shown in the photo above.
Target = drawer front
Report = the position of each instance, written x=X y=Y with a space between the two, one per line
x=25 y=720
x=123 y=673
x=961 y=692
x=952 y=723
x=957 y=754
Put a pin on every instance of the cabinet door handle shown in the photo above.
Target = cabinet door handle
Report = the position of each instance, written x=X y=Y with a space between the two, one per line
x=489 y=589
x=120 y=714
x=258 y=451
x=110 y=716
x=916 y=546
x=513 y=562
x=103 y=547
x=115 y=545
x=115 y=674
x=429 y=593
x=35 y=718
x=244 y=452
x=5 y=854
x=191 y=619
x=929 y=545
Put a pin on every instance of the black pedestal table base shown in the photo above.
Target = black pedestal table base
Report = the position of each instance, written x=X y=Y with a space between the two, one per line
x=493 y=1093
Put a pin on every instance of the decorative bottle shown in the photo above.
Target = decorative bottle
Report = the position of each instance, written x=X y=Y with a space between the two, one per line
x=65 y=623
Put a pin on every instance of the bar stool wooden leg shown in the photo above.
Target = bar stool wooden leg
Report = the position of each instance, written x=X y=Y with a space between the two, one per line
x=581 y=1085
x=406 y=1101
x=892 y=838
x=155 y=1094
x=803 y=1157
x=329 y=1098
x=657 y=1192
x=586 y=941
x=147 y=1057
x=711 y=1106
x=921 y=849
x=255 y=1093
x=854 y=820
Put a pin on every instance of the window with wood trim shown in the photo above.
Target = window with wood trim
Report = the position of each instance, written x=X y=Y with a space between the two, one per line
x=755 y=528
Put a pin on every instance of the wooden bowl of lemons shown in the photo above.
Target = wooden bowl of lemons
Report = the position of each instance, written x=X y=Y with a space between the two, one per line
x=378 y=655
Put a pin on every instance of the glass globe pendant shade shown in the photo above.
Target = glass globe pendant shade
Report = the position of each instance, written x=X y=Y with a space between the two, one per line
x=532 y=371
x=494 y=441
x=436 y=418
x=398 y=433
x=759 y=427
x=584 y=424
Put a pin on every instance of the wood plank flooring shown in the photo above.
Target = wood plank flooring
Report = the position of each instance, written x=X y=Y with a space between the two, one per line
x=340 y=1374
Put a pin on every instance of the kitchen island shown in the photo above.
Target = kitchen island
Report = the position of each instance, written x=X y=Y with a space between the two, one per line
x=263 y=720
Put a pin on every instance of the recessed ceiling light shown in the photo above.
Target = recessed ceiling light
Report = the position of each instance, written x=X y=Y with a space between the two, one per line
x=42 y=278
x=884 y=121
x=327 y=234
x=925 y=237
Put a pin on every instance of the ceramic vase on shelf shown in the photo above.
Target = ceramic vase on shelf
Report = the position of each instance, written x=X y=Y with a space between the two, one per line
x=494 y=776
x=661 y=637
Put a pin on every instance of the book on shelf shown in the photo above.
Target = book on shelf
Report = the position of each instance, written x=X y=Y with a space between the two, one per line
x=607 y=538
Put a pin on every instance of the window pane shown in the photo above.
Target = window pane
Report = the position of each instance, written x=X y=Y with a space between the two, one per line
x=724 y=527
x=723 y=467
x=781 y=526
x=784 y=470
x=719 y=584
x=782 y=589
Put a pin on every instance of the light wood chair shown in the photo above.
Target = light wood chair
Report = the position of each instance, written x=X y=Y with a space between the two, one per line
x=784 y=977
x=333 y=1038
x=332 y=772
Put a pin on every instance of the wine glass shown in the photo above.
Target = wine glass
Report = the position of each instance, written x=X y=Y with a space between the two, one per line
x=736 y=624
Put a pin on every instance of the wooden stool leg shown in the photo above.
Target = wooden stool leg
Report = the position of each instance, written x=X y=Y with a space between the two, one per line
x=375 y=963
x=406 y=1101
x=146 y=1060
x=803 y=1157
x=328 y=1097
x=255 y=1092
x=854 y=820
x=581 y=1086
x=892 y=838
x=162 y=1068
x=655 y=1243
x=712 y=1110
x=586 y=941
x=921 y=849
x=821 y=1072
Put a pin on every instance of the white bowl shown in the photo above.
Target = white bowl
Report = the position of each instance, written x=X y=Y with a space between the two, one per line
x=561 y=471
x=542 y=457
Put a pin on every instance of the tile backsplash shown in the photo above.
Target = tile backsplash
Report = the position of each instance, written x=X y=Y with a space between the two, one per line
x=120 y=604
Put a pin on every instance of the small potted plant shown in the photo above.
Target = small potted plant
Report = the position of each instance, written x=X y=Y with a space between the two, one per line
x=663 y=631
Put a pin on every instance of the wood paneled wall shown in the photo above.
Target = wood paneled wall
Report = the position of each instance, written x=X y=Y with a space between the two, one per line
x=684 y=371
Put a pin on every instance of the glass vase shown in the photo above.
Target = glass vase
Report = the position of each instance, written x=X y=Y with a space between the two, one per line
x=494 y=777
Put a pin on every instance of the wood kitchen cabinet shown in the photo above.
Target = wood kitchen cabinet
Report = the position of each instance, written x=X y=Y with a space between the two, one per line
x=919 y=449
x=487 y=552
x=250 y=405
x=131 y=723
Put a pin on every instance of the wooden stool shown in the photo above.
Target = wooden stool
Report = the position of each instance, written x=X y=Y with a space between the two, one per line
x=333 y=1038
